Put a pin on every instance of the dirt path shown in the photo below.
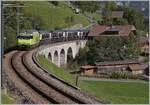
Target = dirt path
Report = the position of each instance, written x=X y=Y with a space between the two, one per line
x=111 y=80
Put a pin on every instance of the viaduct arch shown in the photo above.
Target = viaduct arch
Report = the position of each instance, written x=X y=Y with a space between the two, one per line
x=58 y=52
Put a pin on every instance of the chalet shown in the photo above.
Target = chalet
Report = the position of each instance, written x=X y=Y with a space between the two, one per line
x=113 y=14
x=88 y=70
x=136 y=69
x=128 y=65
x=112 y=30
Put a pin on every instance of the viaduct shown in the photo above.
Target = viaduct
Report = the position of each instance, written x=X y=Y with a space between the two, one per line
x=58 y=53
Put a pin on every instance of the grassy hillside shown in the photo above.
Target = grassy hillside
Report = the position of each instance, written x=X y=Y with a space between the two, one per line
x=56 y=70
x=95 y=16
x=40 y=15
x=49 y=16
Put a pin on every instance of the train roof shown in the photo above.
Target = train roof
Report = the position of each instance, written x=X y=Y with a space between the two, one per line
x=28 y=31
x=43 y=32
x=67 y=30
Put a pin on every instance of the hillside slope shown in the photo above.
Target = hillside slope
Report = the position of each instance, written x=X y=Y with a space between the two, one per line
x=49 y=16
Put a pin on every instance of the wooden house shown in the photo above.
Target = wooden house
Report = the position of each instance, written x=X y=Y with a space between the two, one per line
x=111 y=30
x=127 y=65
x=88 y=70
x=136 y=69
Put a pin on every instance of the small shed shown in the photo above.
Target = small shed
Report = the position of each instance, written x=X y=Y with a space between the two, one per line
x=113 y=14
x=88 y=70
x=144 y=44
x=136 y=69
x=109 y=66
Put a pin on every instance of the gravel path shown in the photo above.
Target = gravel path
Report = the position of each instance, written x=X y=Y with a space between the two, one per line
x=111 y=80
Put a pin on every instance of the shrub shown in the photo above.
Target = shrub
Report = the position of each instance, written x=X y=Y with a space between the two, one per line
x=121 y=75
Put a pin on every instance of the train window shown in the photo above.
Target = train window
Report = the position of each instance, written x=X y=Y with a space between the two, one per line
x=24 y=37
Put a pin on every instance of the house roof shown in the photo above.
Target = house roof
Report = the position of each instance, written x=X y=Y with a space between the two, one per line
x=87 y=67
x=143 y=40
x=113 y=14
x=136 y=67
x=117 y=14
x=99 y=30
x=110 y=63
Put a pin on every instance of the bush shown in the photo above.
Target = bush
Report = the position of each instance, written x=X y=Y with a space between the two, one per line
x=121 y=75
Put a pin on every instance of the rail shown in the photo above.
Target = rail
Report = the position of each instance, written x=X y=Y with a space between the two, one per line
x=54 y=76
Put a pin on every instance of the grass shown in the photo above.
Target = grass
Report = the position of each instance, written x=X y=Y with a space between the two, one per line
x=56 y=70
x=119 y=92
x=115 y=92
x=6 y=98
x=96 y=16
x=50 y=16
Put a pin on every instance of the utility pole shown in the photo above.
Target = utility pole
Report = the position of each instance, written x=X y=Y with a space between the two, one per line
x=18 y=21
x=4 y=5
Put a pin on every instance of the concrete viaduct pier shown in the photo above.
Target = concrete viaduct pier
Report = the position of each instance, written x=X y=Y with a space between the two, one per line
x=58 y=52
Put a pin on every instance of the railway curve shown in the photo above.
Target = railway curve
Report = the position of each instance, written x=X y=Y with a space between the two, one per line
x=44 y=86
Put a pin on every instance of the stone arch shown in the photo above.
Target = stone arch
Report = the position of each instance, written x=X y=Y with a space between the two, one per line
x=49 y=56
x=56 y=61
x=62 y=57
x=69 y=54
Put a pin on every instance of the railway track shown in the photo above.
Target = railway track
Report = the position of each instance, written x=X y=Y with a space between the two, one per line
x=48 y=87
x=23 y=92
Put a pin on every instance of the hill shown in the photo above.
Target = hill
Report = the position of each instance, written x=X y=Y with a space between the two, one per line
x=50 y=16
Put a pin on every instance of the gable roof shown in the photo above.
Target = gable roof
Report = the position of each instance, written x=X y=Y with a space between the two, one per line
x=113 y=14
x=136 y=67
x=88 y=67
x=123 y=30
x=117 y=14
x=110 y=63
x=143 y=40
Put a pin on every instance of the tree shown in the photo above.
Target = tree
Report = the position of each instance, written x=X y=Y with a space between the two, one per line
x=108 y=49
x=89 y=6
x=133 y=17
x=54 y=2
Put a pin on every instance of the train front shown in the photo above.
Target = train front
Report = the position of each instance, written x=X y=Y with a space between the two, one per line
x=27 y=40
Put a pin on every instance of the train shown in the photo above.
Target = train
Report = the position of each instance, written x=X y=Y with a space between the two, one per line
x=28 y=38
x=33 y=38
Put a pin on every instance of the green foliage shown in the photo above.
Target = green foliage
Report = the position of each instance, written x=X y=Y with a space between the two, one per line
x=7 y=99
x=56 y=70
x=132 y=16
x=116 y=92
x=69 y=20
x=95 y=15
x=54 y=2
x=10 y=35
x=81 y=58
x=46 y=15
x=109 y=49
x=120 y=21
x=110 y=6
x=121 y=75
x=88 y=6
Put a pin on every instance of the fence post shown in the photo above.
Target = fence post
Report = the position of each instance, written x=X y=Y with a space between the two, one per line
x=77 y=79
